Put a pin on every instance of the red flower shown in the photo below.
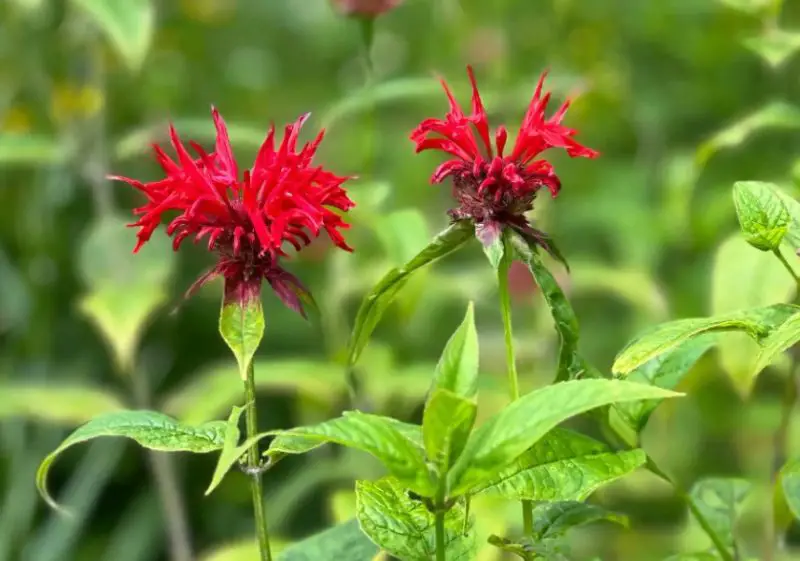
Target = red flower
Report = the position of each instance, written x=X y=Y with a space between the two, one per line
x=246 y=218
x=493 y=188
x=366 y=8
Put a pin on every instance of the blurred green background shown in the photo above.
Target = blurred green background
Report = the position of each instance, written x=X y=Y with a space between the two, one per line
x=681 y=97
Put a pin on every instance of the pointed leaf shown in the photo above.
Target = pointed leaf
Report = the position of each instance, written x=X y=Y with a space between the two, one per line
x=782 y=338
x=373 y=434
x=793 y=207
x=774 y=46
x=491 y=236
x=345 y=541
x=457 y=370
x=790 y=484
x=508 y=434
x=55 y=403
x=241 y=325
x=719 y=500
x=378 y=300
x=570 y=364
x=762 y=214
x=562 y=466
x=230 y=452
x=149 y=429
x=757 y=323
x=129 y=26
x=446 y=423
x=404 y=527
x=554 y=519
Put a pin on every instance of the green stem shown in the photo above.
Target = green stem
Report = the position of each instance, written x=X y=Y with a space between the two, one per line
x=253 y=464
x=441 y=547
x=511 y=361
x=788 y=267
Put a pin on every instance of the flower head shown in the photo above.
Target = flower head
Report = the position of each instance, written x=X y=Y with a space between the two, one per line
x=246 y=218
x=493 y=186
x=365 y=8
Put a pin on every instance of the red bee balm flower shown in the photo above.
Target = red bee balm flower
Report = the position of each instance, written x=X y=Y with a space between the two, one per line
x=246 y=219
x=495 y=189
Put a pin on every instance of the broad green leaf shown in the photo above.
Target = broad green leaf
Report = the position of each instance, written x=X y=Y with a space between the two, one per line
x=231 y=451
x=457 y=370
x=782 y=338
x=551 y=520
x=748 y=6
x=562 y=466
x=793 y=207
x=31 y=149
x=762 y=214
x=790 y=484
x=776 y=115
x=530 y=550
x=55 y=403
x=665 y=371
x=404 y=527
x=446 y=423
x=757 y=323
x=149 y=429
x=345 y=541
x=241 y=325
x=719 y=500
x=121 y=314
x=129 y=25
x=378 y=436
x=774 y=46
x=744 y=278
x=508 y=434
x=378 y=300
x=570 y=363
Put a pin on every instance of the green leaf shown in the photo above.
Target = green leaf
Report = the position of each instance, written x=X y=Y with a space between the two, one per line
x=775 y=115
x=378 y=300
x=378 y=436
x=493 y=241
x=570 y=363
x=562 y=466
x=241 y=325
x=782 y=338
x=128 y=25
x=457 y=370
x=790 y=484
x=762 y=215
x=345 y=541
x=508 y=434
x=150 y=429
x=774 y=46
x=404 y=527
x=446 y=424
x=793 y=207
x=748 y=6
x=757 y=323
x=719 y=500
x=55 y=403
x=693 y=557
x=30 y=149
x=231 y=451
x=552 y=520
x=121 y=316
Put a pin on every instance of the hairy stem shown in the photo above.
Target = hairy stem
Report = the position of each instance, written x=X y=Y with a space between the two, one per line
x=511 y=362
x=253 y=462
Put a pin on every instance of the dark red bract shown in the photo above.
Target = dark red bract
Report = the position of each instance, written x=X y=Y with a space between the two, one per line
x=494 y=188
x=365 y=8
x=247 y=218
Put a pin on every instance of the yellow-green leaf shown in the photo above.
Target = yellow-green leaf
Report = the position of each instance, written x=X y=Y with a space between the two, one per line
x=241 y=325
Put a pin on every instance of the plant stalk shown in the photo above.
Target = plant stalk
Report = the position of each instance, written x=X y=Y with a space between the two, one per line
x=511 y=361
x=789 y=268
x=441 y=546
x=253 y=464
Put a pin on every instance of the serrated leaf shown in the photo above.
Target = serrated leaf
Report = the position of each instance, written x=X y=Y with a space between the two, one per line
x=231 y=451
x=457 y=369
x=55 y=403
x=446 y=423
x=782 y=338
x=562 y=466
x=762 y=214
x=404 y=527
x=378 y=436
x=774 y=46
x=508 y=434
x=719 y=499
x=757 y=323
x=128 y=25
x=552 y=520
x=31 y=149
x=149 y=429
x=570 y=363
x=241 y=325
x=379 y=298
x=344 y=541
x=790 y=485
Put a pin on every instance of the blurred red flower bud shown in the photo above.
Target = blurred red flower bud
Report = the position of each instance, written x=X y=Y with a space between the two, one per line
x=365 y=8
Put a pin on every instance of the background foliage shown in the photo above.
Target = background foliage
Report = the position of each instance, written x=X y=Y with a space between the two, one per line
x=682 y=98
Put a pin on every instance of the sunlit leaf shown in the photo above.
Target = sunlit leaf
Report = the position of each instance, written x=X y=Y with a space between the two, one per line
x=782 y=338
x=793 y=233
x=241 y=325
x=508 y=434
x=243 y=550
x=457 y=369
x=55 y=403
x=378 y=300
x=719 y=500
x=128 y=25
x=231 y=451
x=749 y=6
x=30 y=149
x=149 y=429
x=763 y=216
x=774 y=46
x=554 y=519
x=446 y=423
x=790 y=484
x=562 y=466
x=344 y=541
x=404 y=527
